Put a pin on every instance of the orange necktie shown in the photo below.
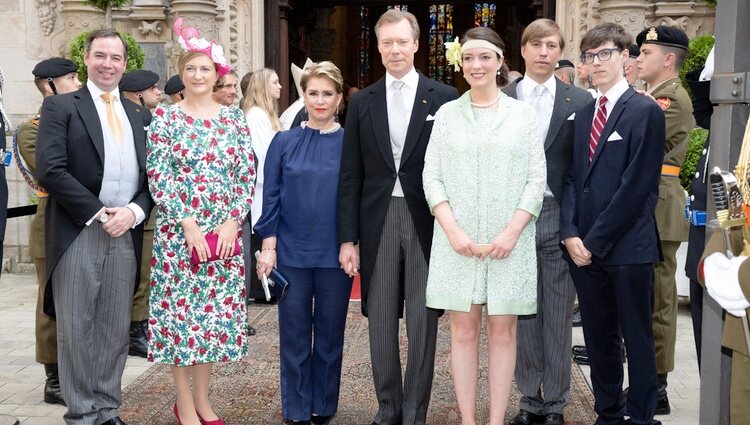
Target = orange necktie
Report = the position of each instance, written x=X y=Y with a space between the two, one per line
x=115 y=125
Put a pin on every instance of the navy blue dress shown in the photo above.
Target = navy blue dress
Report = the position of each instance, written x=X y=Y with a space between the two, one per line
x=299 y=197
x=299 y=208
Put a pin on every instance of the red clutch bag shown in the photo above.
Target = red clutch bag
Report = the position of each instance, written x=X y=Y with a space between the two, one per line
x=212 y=239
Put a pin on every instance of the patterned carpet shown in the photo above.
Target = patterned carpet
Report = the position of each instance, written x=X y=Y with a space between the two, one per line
x=248 y=392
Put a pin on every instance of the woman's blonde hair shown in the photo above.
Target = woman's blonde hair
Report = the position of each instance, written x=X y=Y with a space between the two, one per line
x=325 y=69
x=258 y=94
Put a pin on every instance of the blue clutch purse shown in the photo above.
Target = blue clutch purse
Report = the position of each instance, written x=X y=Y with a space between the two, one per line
x=275 y=283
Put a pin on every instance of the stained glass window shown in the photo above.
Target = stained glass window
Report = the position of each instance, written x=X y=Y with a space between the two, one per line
x=401 y=7
x=484 y=15
x=364 y=45
x=440 y=31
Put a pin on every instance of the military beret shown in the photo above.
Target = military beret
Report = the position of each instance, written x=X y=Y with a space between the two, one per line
x=138 y=80
x=634 y=51
x=564 y=63
x=174 y=85
x=664 y=35
x=54 y=67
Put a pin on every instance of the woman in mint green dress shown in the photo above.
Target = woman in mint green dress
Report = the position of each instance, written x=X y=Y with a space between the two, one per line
x=484 y=179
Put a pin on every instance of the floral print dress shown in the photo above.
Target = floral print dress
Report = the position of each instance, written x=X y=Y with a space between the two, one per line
x=201 y=168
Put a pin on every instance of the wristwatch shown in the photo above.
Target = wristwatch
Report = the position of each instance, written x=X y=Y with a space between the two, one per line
x=103 y=217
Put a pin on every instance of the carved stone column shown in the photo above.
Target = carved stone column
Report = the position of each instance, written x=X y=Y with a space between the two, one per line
x=78 y=17
x=200 y=14
x=689 y=16
x=150 y=19
x=574 y=18
x=246 y=36
x=631 y=14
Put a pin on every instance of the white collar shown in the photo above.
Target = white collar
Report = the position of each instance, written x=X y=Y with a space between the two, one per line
x=614 y=93
x=528 y=85
x=96 y=92
x=411 y=79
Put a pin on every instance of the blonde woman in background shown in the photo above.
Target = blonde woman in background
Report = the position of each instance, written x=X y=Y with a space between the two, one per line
x=261 y=107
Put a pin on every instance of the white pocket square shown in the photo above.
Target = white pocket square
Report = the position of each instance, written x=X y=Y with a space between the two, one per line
x=572 y=116
x=614 y=137
x=430 y=118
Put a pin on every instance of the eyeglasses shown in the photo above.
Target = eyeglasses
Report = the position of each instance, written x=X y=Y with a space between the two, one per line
x=603 y=55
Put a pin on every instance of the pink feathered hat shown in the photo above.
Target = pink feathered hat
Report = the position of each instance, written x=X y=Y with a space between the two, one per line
x=190 y=40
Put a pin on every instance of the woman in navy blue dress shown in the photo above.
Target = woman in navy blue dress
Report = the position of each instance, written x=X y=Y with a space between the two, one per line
x=298 y=228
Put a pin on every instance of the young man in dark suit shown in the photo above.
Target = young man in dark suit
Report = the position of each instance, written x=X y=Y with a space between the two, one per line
x=608 y=227
x=383 y=213
x=91 y=159
x=544 y=339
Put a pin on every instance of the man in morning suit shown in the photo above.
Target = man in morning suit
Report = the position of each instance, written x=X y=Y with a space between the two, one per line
x=662 y=52
x=52 y=77
x=91 y=159
x=608 y=228
x=543 y=362
x=382 y=208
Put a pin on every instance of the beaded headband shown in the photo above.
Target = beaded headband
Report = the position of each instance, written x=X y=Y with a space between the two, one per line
x=454 y=50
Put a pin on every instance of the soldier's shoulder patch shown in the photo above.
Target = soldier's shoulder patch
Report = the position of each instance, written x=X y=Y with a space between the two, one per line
x=664 y=103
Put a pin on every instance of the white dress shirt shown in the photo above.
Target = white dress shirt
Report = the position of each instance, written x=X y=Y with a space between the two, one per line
x=409 y=93
x=543 y=105
x=120 y=176
x=613 y=95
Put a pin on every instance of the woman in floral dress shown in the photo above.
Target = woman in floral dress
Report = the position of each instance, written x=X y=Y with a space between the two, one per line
x=201 y=176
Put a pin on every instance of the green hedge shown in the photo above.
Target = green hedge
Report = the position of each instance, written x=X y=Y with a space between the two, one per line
x=695 y=149
x=136 y=57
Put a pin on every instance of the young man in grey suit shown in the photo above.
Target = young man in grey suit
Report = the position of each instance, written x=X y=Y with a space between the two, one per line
x=382 y=208
x=543 y=363
x=91 y=158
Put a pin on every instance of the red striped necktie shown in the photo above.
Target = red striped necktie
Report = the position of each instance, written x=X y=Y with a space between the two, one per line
x=596 y=129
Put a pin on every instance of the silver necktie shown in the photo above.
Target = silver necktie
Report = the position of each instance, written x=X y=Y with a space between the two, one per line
x=398 y=121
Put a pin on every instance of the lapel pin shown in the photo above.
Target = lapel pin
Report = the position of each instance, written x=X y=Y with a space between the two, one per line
x=567 y=99
x=424 y=101
x=137 y=110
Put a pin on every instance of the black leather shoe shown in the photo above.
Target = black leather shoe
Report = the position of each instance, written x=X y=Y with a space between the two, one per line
x=577 y=318
x=582 y=360
x=579 y=350
x=114 y=421
x=138 y=344
x=321 y=420
x=524 y=417
x=250 y=331
x=52 y=392
x=554 y=419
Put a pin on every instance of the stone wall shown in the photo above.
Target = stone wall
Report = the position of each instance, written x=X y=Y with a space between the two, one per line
x=34 y=30
x=38 y=29
x=578 y=16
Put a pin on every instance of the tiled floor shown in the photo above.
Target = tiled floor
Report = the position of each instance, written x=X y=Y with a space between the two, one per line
x=21 y=379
